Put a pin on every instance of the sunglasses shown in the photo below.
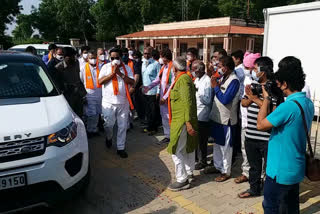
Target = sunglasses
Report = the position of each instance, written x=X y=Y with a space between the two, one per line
x=146 y=53
x=113 y=58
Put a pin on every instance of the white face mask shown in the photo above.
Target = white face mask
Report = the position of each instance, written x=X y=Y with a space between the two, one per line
x=102 y=57
x=189 y=58
x=92 y=61
x=161 y=61
x=247 y=72
x=130 y=52
x=220 y=72
x=85 y=56
x=59 y=57
x=115 y=62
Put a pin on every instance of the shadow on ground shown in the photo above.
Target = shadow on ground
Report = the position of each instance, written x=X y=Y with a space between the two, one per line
x=120 y=185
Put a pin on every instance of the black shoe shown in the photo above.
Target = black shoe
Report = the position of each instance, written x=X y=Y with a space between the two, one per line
x=191 y=178
x=131 y=125
x=164 y=141
x=176 y=186
x=108 y=143
x=200 y=166
x=122 y=153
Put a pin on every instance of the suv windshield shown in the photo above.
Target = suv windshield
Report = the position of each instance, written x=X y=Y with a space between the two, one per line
x=20 y=80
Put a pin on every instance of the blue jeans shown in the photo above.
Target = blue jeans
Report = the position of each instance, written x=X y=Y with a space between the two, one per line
x=279 y=198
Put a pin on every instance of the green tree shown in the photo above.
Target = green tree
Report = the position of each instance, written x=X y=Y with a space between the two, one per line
x=24 y=28
x=8 y=10
x=64 y=19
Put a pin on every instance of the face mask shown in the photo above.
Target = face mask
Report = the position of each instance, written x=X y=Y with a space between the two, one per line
x=220 y=72
x=189 y=58
x=130 y=52
x=255 y=77
x=59 y=57
x=125 y=58
x=92 y=61
x=85 y=56
x=247 y=72
x=161 y=61
x=115 y=62
x=137 y=60
x=102 y=57
x=193 y=74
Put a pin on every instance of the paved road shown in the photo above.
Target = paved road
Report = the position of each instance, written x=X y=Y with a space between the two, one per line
x=138 y=185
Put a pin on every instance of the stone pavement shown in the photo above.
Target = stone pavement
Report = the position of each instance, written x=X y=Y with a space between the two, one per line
x=139 y=184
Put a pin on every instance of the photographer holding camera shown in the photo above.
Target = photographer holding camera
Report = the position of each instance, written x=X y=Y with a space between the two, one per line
x=256 y=142
x=287 y=145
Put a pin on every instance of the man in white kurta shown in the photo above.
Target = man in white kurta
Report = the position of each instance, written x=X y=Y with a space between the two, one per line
x=165 y=79
x=115 y=78
x=204 y=103
x=92 y=108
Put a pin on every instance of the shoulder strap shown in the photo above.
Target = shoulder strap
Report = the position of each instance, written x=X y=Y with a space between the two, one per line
x=305 y=128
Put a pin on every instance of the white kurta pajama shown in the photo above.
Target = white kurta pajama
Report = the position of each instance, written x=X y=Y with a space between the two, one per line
x=92 y=110
x=184 y=162
x=115 y=108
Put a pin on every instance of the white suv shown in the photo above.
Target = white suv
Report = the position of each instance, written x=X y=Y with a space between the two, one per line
x=43 y=143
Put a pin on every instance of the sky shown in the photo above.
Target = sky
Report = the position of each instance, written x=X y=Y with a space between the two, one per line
x=26 y=4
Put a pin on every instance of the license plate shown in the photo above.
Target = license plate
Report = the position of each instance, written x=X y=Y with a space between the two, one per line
x=12 y=181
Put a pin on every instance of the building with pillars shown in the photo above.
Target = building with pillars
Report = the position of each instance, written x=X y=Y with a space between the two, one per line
x=206 y=35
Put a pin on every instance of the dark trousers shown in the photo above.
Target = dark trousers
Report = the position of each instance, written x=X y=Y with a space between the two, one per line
x=139 y=103
x=152 y=112
x=256 y=151
x=203 y=141
x=279 y=198
x=237 y=139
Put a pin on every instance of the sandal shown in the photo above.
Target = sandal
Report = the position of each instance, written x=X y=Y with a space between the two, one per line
x=247 y=194
x=222 y=178
x=241 y=179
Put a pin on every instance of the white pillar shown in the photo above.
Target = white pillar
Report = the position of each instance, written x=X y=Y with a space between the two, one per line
x=250 y=44
x=127 y=43
x=206 y=50
x=227 y=44
x=176 y=50
x=118 y=42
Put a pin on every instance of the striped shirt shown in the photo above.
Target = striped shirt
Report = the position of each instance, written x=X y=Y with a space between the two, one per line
x=252 y=131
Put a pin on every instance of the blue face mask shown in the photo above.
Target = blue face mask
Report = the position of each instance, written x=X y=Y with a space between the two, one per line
x=254 y=76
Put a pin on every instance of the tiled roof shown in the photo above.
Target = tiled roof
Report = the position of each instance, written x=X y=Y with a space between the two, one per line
x=198 y=31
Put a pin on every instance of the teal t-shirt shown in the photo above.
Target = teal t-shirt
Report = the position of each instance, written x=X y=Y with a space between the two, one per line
x=287 y=143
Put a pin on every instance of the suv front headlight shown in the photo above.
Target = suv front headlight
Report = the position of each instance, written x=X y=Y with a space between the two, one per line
x=64 y=136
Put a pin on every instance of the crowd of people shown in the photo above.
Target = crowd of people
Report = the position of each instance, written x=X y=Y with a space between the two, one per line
x=237 y=100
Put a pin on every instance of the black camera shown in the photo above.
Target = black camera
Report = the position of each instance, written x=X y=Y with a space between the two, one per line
x=270 y=86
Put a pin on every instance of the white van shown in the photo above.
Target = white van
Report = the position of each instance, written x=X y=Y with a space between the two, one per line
x=42 y=49
x=43 y=143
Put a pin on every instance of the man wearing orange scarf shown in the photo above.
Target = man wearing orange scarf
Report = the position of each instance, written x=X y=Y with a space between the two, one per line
x=165 y=78
x=92 y=109
x=115 y=78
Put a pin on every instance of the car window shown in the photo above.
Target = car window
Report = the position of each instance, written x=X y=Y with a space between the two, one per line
x=20 y=79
